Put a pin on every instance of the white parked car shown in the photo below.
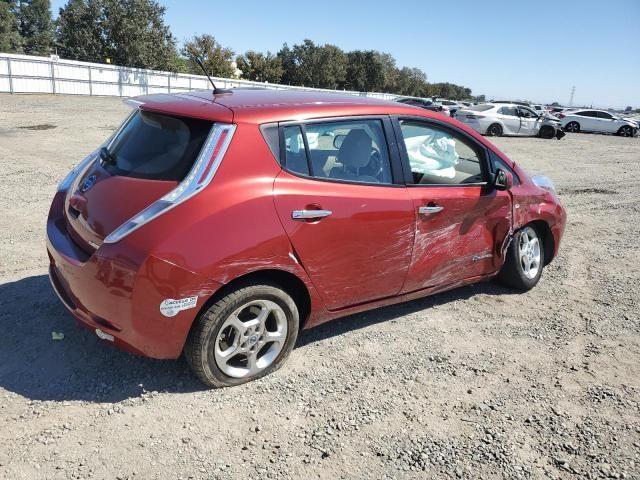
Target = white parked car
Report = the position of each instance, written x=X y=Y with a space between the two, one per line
x=497 y=119
x=453 y=106
x=589 y=120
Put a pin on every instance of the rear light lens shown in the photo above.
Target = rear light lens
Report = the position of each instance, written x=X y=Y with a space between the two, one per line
x=198 y=178
x=474 y=117
x=561 y=115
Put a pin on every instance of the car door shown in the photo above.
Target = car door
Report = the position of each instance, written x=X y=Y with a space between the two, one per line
x=508 y=115
x=461 y=221
x=529 y=122
x=588 y=121
x=607 y=122
x=348 y=217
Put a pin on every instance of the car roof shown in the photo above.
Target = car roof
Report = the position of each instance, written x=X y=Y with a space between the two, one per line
x=264 y=106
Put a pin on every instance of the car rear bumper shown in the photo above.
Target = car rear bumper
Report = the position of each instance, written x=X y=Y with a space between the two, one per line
x=117 y=291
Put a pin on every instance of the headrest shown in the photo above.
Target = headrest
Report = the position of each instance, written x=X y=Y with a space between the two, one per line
x=355 y=150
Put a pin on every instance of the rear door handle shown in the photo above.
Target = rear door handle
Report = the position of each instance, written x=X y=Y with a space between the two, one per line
x=429 y=209
x=303 y=215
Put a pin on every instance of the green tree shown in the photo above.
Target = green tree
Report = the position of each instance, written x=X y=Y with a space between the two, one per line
x=289 y=68
x=10 y=40
x=311 y=65
x=260 y=67
x=365 y=71
x=137 y=36
x=389 y=71
x=35 y=26
x=127 y=32
x=217 y=60
x=80 y=31
x=412 y=82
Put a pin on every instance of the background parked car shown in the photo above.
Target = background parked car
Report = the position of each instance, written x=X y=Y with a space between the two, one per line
x=589 y=120
x=450 y=104
x=513 y=102
x=426 y=104
x=497 y=119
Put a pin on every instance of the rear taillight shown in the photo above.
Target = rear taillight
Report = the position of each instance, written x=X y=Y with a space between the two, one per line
x=561 y=115
x=474 y=117
x=197 y=179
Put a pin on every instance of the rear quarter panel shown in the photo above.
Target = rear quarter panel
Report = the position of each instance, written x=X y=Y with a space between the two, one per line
x=231 y=228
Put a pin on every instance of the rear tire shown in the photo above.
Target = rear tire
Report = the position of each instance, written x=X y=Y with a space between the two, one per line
x=494 y=130
x=245 y=335
x=573 y=127
x=547 y=132
x=525 y=260
x=625 y=131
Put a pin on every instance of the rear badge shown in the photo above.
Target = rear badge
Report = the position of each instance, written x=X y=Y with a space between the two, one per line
x=171 y=307
x=88 y=183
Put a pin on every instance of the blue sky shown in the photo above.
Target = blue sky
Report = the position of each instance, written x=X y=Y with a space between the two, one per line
x=506 y=49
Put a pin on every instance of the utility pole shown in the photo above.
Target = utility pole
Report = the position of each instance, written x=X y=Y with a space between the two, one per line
x=573 y=91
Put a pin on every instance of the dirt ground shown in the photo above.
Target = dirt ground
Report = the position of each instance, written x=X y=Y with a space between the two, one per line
x=480 y=382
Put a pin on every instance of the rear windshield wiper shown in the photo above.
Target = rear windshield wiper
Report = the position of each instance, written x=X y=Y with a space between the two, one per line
x=106 y=156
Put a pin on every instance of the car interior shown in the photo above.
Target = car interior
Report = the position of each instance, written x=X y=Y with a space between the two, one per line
x=437 y=157
x=340 y=151
x=351 y=152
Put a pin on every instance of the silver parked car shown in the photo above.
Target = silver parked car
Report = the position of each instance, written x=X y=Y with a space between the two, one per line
x=589 y=120
x=497 y=119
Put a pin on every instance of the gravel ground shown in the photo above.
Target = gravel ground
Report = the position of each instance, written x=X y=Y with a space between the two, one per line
x=479 y=382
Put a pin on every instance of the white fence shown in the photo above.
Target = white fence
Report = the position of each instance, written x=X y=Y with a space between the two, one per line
x=29 y=74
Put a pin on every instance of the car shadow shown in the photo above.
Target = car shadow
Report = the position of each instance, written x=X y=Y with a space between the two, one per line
x=81 y=367
x=357 y=321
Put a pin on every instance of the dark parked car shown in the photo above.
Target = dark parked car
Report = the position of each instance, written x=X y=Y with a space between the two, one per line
x=426 y=104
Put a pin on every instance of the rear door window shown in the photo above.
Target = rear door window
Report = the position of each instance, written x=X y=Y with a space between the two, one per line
x=510 y=111
x=350 y=150
x=156 y=146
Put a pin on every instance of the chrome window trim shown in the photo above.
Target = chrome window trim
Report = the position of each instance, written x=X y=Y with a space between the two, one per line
x=187 y=188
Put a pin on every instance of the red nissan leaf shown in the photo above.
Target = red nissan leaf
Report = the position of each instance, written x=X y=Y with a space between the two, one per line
x=222 y=224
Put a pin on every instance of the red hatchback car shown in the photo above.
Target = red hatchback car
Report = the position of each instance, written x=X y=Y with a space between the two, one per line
x=219 y=225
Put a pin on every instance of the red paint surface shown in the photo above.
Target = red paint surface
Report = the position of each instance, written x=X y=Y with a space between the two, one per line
x=374 y=250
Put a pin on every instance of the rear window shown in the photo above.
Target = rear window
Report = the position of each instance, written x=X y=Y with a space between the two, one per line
x=480 y=108
x=156 y=146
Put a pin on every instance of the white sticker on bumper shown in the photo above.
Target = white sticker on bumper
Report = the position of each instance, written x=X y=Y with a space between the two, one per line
x=171 y=307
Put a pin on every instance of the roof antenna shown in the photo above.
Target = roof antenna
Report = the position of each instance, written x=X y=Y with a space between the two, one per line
x=216 y=90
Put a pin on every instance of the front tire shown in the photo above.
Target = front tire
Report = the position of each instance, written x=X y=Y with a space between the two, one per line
x=494 y=130
x=547 y=132
x=525 y=260
x=573 y=127
x=245 y=335
x=625 y=131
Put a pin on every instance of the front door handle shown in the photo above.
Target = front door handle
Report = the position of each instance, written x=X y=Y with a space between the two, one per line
x=429 y=209
x=304 y=215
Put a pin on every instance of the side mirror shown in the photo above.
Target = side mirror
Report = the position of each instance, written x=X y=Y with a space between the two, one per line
x=337 y=140
x=503 y=180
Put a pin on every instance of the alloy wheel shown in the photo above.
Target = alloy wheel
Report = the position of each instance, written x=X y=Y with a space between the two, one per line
x=573 y=127
x=625 y=131
x=251 y=338
x=529 y=252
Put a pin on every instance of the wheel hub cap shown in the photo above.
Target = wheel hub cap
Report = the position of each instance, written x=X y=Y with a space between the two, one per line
x=529 y=252
x=250 y=339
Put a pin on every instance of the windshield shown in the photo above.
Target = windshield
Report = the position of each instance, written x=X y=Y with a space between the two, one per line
x=156 y=146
